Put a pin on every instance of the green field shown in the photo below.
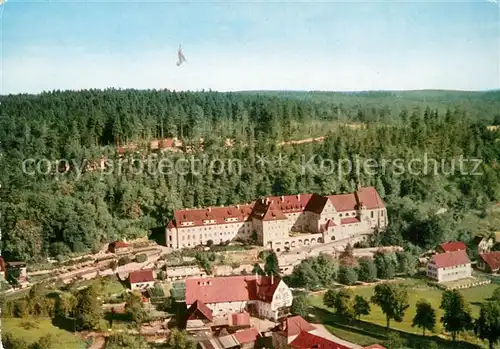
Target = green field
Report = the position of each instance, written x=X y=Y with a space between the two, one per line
x=371 y=328
x=43 y=326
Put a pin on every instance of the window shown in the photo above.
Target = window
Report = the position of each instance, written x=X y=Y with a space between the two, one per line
x=372 y=214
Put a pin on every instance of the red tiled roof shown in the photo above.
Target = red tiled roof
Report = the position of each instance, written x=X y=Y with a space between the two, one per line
x=140 y=276
x=247 y=336
x=343 y=202
x=492 y=259
x=450 y=259
x=230 y=289
x=2 y=264
x=296 y=324
x=275 y=208
x=240 y=319
x=216 y=214
x=369 y=197
x=199 y=308
x=290 y=203
x=349 y=220
x=119 y=244
x=453 y=246
x=306 y=340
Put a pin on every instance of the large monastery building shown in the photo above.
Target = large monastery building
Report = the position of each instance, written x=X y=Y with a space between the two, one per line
x=282 y=222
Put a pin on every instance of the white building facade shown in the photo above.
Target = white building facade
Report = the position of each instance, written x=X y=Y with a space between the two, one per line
x=262 y=296
x=449 y=266
x=283 y=222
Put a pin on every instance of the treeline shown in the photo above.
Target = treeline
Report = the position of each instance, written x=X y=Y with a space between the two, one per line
x=45 y=214
x=316 y=273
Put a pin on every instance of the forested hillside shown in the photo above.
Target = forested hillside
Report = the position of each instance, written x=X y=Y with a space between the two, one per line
x=58 y=214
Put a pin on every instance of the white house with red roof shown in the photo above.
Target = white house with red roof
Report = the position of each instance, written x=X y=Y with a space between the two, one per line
x=264 y=296
x=449 y=266
x=141 y=279
x=321 y=218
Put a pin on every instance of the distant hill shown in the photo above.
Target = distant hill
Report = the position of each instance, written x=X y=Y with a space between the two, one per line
x=478 y=104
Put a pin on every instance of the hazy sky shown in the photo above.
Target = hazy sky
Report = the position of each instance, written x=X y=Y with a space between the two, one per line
x=246 y=45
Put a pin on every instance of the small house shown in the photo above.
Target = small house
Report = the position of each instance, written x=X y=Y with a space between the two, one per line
x=198 y=318
x=489 y=262
x=118 y=247
x=452 y=246
x=141 y=280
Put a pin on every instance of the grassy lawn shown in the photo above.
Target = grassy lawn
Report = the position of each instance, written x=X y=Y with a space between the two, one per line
x=43 y=326
x=371 y=328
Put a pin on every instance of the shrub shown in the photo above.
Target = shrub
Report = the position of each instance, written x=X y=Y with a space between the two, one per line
x=141 y=258
x=124 y=260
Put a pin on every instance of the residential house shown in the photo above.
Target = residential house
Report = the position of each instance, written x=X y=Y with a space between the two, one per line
x=244 y=339
x=449 y=266
x=141 y=279
x=489 y=262
x=314 y=218
x=183 y=272
x=267 y=297
x=119 y=247
x=198 y=318
x=486 y=243
x=289 y=329
x=452 y=246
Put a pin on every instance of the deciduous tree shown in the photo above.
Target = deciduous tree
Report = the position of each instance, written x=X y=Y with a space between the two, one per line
x=392 y=299
x=457 y=317
x=425 y=316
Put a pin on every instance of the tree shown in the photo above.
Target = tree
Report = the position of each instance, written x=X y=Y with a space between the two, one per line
x=66 y=305
x=126 y=341
x=361 y=306
x=141 y=258
x=347 y=275
x=487 y=326
x=12 y=342
x=394 y=341
x=344 y=303
x=300 y=306
x=456 y=316
x=124 y=260
x=385 y=266
x=496 y=294
x=407 y=263
x=257 y=269
x=425 y=316
x=88 y=309
x=329 y=298
x=210 y=243
x=47 y=341
x=135 y=308
x=272 y=265
x=179 y=340
x=392 y=299
x=367 y=270
x=12 y=276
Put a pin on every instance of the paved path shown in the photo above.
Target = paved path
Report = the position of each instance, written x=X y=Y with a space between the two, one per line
x=323 y=332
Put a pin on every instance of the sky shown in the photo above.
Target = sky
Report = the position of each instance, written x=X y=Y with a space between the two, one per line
x=250 y=45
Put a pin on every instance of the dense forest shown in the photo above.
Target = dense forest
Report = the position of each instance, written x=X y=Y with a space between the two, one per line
x=56 y=214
